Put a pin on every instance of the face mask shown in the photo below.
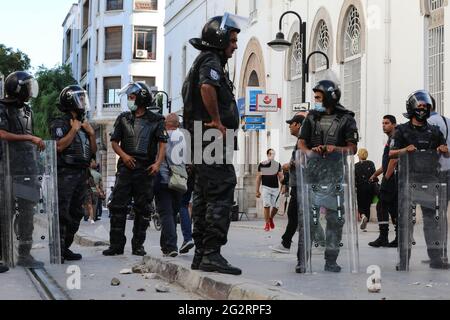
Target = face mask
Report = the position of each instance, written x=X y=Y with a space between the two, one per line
x=319 y=107
x=132 y=105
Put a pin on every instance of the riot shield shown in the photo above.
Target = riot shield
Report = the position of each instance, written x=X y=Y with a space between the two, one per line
x=422 y=201
x=29 y=205
x=327 y=213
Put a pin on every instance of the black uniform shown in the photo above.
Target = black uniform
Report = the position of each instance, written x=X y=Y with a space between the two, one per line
x=73 y=174
x=427 y=137
x=388 y=196
x=215 y=184
x=337 y=129
x=16 y=118
x=139 y=138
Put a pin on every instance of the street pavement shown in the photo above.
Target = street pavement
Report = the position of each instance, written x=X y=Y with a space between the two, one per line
x=16 y=285
x=249 y=249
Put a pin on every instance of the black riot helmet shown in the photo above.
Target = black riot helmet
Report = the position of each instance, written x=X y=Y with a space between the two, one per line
x=74 y=98
x=416 y=99
x=21 y=85
x=216 y=32
x=331 y=92
x=144 y=95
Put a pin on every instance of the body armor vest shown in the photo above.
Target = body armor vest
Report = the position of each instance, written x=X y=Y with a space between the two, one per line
x=79 y=152
x=320 y=138
x=137 y=136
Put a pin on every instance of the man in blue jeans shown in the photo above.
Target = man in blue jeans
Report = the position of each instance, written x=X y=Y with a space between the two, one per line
x=185 y=217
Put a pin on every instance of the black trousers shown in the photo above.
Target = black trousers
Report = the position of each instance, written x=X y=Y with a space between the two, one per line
x=213 y=201
x=137 y=185
x=293 y=215
x=72 y=190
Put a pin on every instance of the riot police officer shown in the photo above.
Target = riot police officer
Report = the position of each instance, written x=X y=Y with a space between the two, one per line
x=329 y=128
x=419 y=135
x=16 y=127
x=210 y=104
x=139 y=139
x=76 y=146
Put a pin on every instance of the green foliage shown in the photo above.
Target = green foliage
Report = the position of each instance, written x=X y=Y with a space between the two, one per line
x=51 y=83
x=11 y=60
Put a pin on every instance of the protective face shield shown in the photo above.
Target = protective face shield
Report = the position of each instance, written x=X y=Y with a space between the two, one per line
x=414 y=103
x=234 y=22
x=131 y=88
x=80 y=101
x=32 y=87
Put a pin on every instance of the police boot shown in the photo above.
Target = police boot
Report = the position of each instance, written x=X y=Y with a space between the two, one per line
x=113 y=252
x=331 y=258
x=68 y=255
x=394 y=244
x=383 y=240
x=26 y=260
x=214 y=262
x=3 y=268
x=198 y=256
x=139 y=251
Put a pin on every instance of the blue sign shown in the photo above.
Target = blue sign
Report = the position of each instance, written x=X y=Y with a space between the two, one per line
x=241 y=106
x=255 y=120
x=254 y=127
x=253 y=95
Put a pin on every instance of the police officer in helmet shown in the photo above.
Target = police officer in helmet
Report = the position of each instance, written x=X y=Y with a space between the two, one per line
x=409 y=138
x=76 y=146
x=139 y=139
x=16 y=127
x=210 y=104
x=329 y=128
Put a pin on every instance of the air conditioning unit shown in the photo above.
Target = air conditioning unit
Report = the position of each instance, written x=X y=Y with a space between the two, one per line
x=141 y=54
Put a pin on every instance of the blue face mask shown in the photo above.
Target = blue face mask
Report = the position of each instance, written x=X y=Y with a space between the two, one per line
x=132 y=106
x=318 y=106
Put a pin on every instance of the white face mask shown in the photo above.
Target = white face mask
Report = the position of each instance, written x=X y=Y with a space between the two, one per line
x=132 y=105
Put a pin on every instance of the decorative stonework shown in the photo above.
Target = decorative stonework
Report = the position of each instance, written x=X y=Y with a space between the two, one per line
x=351 y=30
x=321 y=39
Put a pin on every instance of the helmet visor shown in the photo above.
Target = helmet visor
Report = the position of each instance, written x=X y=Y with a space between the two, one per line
x=234 y=22
x=421 y=98
x=81 y=100
x=32 y=87
x=131 y=88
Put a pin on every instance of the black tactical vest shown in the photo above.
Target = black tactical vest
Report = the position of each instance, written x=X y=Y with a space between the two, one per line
x=139 y=136
x=194 y=109
x=79 y=152
x=23 y=155
x=334 y=135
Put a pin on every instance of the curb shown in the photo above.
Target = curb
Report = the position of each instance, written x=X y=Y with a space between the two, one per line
x=215 y=286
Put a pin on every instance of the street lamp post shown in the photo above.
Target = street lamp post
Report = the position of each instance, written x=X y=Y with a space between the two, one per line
x=169 y=102
x=280 y=45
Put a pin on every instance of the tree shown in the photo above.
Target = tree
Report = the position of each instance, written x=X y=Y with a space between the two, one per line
x=11 y=60
x=51 y=83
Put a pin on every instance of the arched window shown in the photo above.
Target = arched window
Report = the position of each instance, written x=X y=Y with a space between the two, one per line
x=435 y=51
x=296 y=70
x=322 y=39
x=352 y=52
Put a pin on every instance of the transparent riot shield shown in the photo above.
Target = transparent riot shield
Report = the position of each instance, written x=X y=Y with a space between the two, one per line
x=327 y=213
x=422 y=202
x=29 y=205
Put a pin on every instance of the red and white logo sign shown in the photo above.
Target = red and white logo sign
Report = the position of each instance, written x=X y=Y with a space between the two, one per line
x=267 y=103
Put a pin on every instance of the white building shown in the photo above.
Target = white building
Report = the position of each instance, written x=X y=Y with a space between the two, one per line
x=380 y=50
x=109 y=43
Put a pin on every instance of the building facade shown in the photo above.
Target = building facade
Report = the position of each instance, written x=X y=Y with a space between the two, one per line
x=109 y=43
x=379 y=50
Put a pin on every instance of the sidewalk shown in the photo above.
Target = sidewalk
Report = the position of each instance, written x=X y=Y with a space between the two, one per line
x=16 y=285
x=248 y=248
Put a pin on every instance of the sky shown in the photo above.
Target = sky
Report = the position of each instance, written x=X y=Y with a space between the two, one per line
x=34 y=27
